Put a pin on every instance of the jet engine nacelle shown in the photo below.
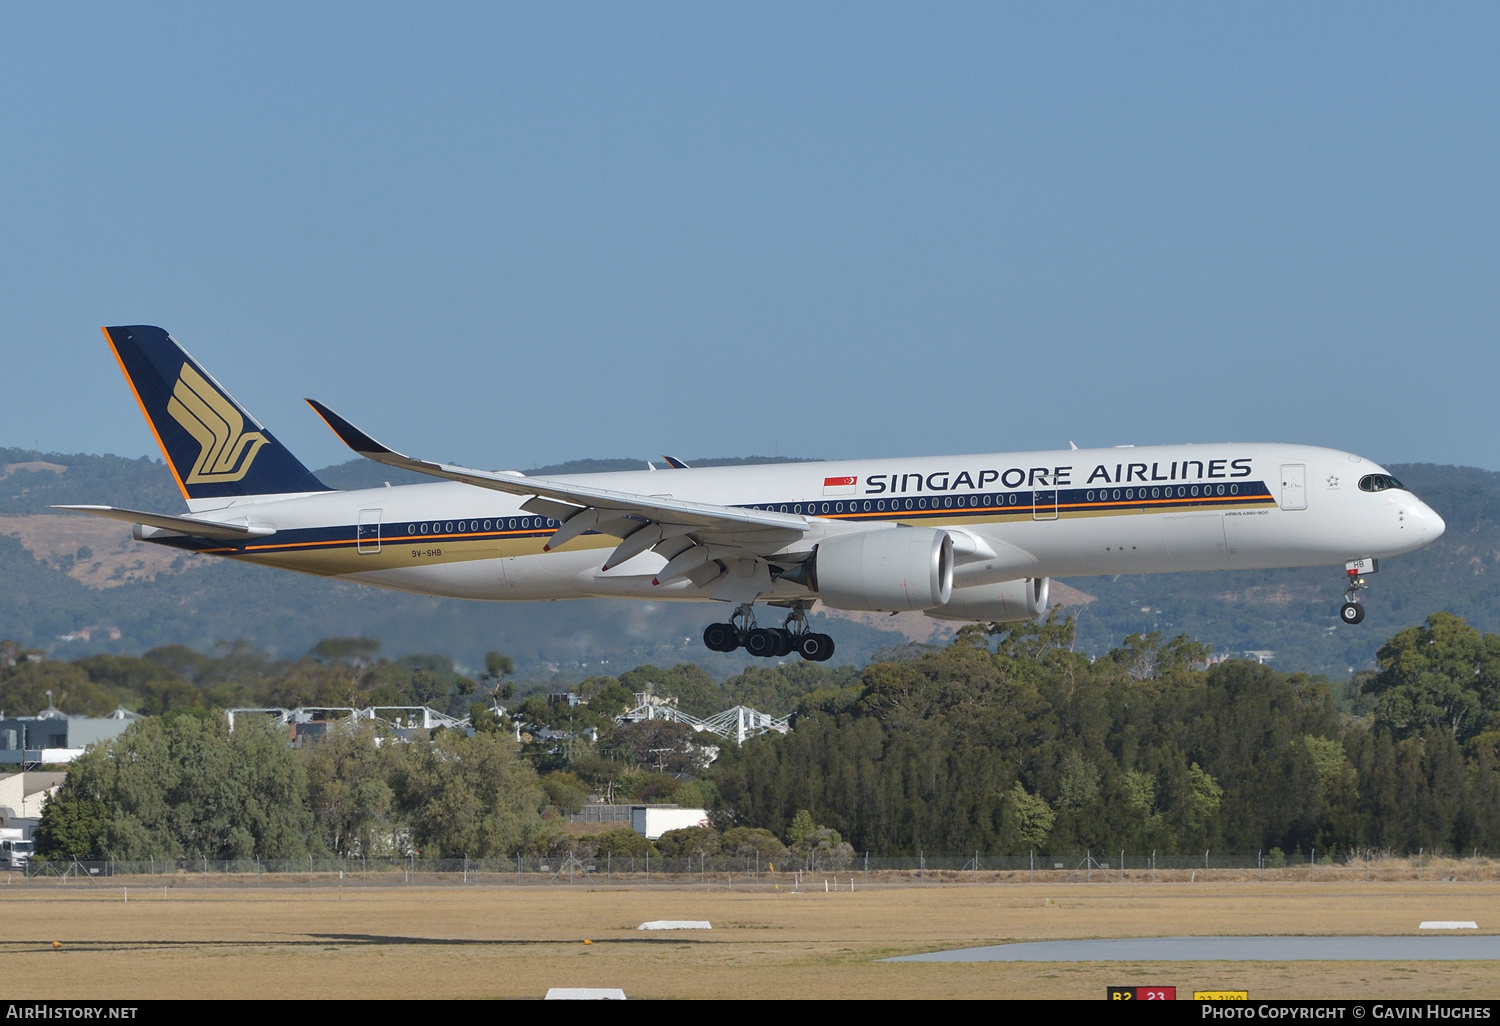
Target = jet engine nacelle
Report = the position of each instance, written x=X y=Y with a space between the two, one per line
x=1003 y=602
x=889 y=571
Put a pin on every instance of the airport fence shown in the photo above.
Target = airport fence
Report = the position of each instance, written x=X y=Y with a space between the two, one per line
x=816 y=870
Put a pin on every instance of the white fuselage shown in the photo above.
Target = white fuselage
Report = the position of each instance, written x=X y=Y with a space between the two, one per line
x=1038 y=514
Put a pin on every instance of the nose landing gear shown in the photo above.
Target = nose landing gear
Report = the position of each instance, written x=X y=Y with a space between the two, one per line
x=1351 y=612
x=769 y=642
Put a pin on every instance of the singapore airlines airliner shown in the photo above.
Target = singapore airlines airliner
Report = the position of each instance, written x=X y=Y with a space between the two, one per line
x=958 y=537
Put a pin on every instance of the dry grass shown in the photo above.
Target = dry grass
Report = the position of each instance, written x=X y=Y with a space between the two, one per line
x=117 y=557
x=492 y=941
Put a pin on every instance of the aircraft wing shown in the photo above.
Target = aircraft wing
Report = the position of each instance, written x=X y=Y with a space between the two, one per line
x=691 y=536
x=181 y=525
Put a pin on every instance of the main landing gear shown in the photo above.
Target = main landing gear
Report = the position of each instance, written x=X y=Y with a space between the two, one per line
x=1351 y=612
x=769 y=642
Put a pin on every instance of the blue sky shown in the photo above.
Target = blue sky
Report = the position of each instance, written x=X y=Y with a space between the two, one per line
x=515 y=235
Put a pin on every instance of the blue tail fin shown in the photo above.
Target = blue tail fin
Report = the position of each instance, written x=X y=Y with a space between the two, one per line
x=213 y=445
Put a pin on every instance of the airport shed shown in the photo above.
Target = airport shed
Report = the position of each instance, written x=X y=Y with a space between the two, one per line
x=53 y=736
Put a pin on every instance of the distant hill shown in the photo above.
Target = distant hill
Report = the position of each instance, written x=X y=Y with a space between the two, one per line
x=31 y=481
x=86 y=581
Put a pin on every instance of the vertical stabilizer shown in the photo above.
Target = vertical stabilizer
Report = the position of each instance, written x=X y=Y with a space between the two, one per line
x=215 y=448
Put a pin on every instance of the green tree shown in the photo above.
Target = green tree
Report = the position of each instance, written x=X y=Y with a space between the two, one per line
x=484 y=719
x=565 y=791
x=690 y=795
x=496 y=668
x=621 y=844
x=800 y=830
x=349 y=791
x=184 y=785
x=1079 y=784
x=358 y=651
x=664 y=745
x=147 y=685
x=1147 y=657
x=827 y=849
x=1441 y=675
x=1032 y=816
x=73 y=827
x=747 y=841
x=689 y=842
x=180 y=661
x=612 y=700
x=691 y=685
x=1204 y=796
x=601 y=775
x=648 y=786
x=24 y=688
x=1030 y=640
x=471 y=796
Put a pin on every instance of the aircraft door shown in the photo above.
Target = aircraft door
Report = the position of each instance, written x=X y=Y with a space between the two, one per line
x=1044 y=504
x=367 y=534
x=1294 y=486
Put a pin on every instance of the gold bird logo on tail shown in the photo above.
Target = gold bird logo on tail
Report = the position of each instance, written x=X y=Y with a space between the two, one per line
x=227 y=449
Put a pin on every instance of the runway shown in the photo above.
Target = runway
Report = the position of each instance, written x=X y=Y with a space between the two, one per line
x=1230 y=949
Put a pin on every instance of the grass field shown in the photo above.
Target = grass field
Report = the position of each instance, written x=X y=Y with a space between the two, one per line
x=490 y=941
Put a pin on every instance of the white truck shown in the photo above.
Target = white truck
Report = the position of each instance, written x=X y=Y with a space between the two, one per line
x=651 y=821
x=15 y=848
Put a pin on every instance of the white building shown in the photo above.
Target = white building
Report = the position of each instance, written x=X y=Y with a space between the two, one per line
x=22 y=796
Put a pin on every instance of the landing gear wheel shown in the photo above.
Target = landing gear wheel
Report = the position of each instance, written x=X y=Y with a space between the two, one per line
x=721 y=637
x=786 y=642
x=816 y=648
x=762 y=643
x=1351 y=612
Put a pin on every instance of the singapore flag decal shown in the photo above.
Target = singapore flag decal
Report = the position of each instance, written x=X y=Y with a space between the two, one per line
x=840 y=486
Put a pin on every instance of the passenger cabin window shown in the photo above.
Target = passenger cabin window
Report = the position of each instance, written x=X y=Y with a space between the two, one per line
x=1379 y=483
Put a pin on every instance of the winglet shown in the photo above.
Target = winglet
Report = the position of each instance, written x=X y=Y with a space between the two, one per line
x=350 y=435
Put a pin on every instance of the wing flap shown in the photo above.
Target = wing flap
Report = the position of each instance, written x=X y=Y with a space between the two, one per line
x=549 y=508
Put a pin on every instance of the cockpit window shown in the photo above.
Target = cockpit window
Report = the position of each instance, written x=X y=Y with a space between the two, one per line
x=1378 y=483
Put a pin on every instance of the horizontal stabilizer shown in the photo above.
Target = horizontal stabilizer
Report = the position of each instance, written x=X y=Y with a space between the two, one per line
x=181 y=525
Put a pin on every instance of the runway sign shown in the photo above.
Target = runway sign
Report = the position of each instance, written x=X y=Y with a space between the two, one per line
x=1143 y=993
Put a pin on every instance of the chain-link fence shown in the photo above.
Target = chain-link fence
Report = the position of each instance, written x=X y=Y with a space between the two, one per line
x=815 y=871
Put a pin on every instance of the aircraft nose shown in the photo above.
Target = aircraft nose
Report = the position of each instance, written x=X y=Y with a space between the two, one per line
x=1437 y=526
x=1432 y=525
